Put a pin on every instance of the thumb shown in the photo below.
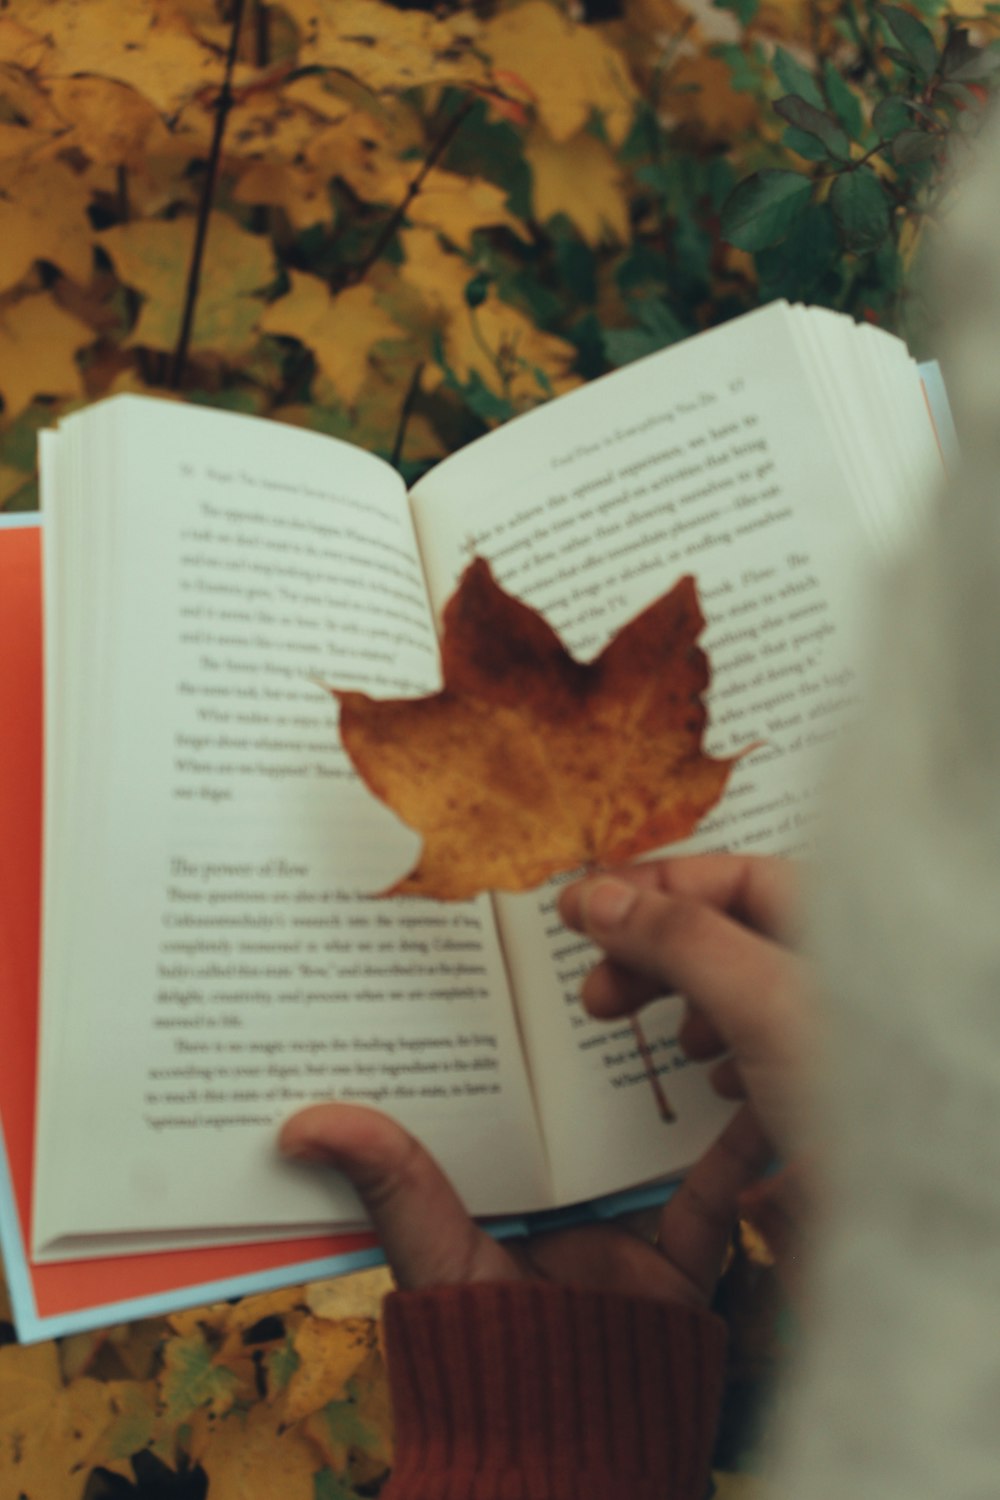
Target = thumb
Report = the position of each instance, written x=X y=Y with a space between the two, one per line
x=427 y=1236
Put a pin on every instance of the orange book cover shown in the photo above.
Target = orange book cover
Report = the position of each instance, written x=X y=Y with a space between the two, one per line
x=73 y=1295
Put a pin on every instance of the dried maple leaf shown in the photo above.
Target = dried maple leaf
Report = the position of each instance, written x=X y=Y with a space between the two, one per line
x=529 y=762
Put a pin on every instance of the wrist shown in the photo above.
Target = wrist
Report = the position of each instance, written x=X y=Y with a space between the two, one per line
x=581 y=1395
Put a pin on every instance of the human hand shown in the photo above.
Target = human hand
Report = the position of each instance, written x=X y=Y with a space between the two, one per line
x=430 y=1241
x=714 y=929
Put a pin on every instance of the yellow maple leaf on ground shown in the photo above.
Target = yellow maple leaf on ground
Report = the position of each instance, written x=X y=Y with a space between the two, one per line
x=340 y=330
x=439 y=275
x=48 y=1431
x=510 y=355
x=248 y=1454
x=330 y=1354
x=39 y=342
x=359 y=1295
x=387 y=48
x=356 y=1432
x=153 y=256
x=43 y=216
x=457 y=205
x=569 y=69
x=267 y=125
x=581 y=179
x=108 y=122
x=365 y=153
x=300 y=192
x=699 y=89
x=131 y=43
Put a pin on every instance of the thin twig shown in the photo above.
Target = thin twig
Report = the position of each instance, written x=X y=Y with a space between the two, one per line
x=404 y=415
x=262 y=34
x=204 y=208
x=396 y=217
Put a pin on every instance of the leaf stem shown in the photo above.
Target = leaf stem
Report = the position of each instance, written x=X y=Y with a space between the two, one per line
x=404 y=416
x=222 y=109
x=663 y=1106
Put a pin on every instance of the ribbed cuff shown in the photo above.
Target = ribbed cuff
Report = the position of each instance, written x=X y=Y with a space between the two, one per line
x=531 y=1391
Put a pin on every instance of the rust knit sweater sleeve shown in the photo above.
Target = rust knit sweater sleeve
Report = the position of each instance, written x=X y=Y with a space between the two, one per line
x=532 y=1391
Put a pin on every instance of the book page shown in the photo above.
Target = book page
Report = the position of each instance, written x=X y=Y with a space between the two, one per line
x=717 y=458
x=217 y=960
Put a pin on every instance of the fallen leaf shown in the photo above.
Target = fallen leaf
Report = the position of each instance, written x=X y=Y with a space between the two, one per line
x=39 y=342
x=339 y=330
x=301 y=192
x=248 y=1453
x=357 y=1432
x=191 y=1379
x=439 y=275
x=364 y=153
x=699 y=89
x=43 y=216
x=132 y=43
x=330 y=1354
x=509 y=354
x=153 y=257
x=108 y=122
x=48 y=1438
x=357 y=1296
x=457 y=205
x=581 y=179
x=385 y=47
x=529 y=762
x=569 y=68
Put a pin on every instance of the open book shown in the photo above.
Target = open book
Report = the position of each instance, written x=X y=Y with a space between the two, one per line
x=211 y=956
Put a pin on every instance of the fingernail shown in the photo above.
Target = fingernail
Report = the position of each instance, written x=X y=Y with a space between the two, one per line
x=608 y=902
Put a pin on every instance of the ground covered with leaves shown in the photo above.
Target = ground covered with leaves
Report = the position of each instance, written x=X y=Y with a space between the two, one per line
x=285 y=1395
x=403 y=227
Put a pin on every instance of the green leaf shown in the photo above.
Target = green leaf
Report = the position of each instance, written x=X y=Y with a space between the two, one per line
x=913 y=36
x=860 y=208
x=743 y=10
x=818 y=122
x=281 y=1365
x=890 y=116
x=477 y=290
x=843 y=101
x=330 y=1486
x=346 y=1427
x=190 y=1379
x=804 y=145
x=659 y=328
x=796 y=79
x=763 y=207
x=915 y=145
x=746 y=65
x=795 y=268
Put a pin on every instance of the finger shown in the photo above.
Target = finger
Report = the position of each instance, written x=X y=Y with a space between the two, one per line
x=747 y=986
x=696 y=1223
x=758 y=890
x=727 y=1080
x=428 y=1238
x=610 y=990
x=698 y=1038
